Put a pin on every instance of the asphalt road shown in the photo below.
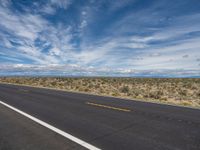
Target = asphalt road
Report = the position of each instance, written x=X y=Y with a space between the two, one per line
x=105 y=122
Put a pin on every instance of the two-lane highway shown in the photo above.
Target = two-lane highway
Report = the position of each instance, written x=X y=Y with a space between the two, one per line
x=104 y=122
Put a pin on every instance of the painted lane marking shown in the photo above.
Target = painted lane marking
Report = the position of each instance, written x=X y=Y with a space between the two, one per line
x=23 y=90
x=109 y=107
x=64 y=134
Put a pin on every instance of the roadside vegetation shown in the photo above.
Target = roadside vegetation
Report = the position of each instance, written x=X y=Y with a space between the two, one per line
x=180 y=91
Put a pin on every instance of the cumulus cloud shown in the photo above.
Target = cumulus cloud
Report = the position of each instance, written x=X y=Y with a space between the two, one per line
x=76 y=70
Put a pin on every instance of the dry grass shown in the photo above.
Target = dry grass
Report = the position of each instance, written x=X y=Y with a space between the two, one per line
x=173 y=91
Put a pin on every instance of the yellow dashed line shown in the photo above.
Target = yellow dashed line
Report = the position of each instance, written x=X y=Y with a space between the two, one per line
x=109 y=107
x=23 y=90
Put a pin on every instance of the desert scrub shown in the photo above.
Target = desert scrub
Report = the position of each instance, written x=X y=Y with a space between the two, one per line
x=124 y=89
x=180 y=91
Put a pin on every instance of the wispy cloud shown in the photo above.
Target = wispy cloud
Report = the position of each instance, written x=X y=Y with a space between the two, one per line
x=30 y=33
x=100 y=37
x=61 y=3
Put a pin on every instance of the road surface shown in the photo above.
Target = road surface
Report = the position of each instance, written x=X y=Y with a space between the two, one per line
x=104 y=122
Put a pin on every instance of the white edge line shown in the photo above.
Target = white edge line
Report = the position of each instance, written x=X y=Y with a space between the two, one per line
x=66 y=135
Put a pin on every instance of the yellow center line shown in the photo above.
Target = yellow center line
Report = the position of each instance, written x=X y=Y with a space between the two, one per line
x=23 y=90
x=109 y=107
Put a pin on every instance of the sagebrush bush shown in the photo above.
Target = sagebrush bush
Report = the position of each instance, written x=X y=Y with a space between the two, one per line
x=177 y=91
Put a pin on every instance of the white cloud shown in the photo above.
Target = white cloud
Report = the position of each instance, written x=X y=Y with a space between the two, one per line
x=83 y=24
x=33 y=37
x=5 y=3
x=61 y=3
x=83 y=13
x=26 y=29
x=56 y=69
x=48 y=9
x=154 y=54
x=171 y=57
x=6 y=43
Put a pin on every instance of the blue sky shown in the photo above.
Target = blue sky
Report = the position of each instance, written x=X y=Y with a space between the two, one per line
x=100 y=37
